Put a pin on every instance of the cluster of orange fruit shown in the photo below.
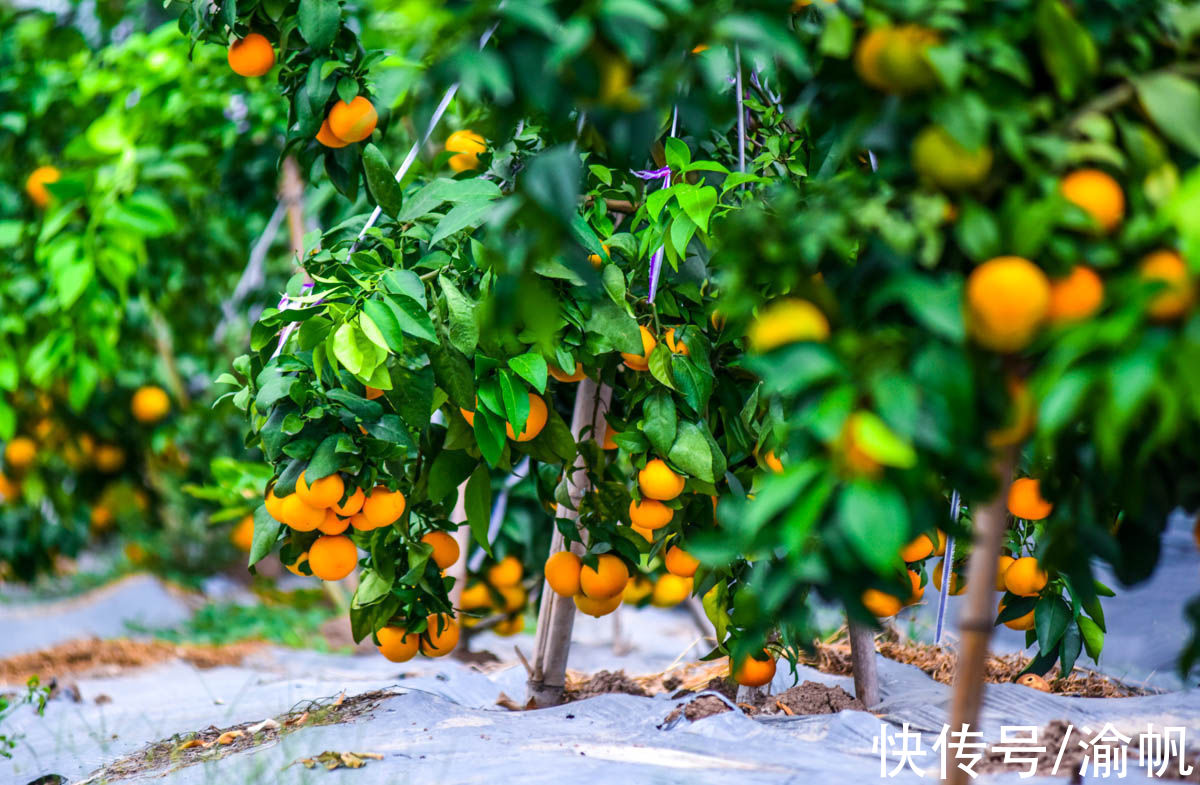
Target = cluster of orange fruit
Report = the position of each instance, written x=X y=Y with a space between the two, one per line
x=641 y=362
x=502 y=580
x=326 y=506
x=534 y=423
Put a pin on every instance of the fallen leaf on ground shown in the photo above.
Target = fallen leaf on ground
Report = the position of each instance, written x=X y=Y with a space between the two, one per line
x=228 y=736
x=187 y=745
x=336 y=760
x=267 y=724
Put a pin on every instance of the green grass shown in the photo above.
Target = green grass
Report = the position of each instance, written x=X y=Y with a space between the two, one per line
x=295 y=623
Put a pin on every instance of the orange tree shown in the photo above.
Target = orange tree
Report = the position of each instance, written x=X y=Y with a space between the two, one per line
x=128 y=175
x=858 y=323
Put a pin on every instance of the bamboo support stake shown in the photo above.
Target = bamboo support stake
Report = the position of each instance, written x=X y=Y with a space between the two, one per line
x=462 y=536
x=556 y=615
x=862 y=660
x=291 y=192
x=976 y=623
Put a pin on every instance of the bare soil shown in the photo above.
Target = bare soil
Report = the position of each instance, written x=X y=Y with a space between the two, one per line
x=88 y=656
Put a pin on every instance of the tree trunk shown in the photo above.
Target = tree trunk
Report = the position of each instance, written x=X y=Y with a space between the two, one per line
x=977 y=622
x=862 y=660
x=556 y=615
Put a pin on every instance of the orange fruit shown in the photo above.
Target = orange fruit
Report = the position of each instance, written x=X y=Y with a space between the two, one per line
x=251 y=56
x=920 y=548
x=373 y=393
x=514 y=598
x=354 y=121
x=609 y=443
x=274 y=505
x=150 y=404
x=641 y=362
x=333 y=524
x=753 y=672
x=918 y=591
x=893 y=59
x=1177 y=297
x=680 y=562
x=468 y=145
x=1098 y=194
x=510 y=626
x=469 y=416
x=639 y=588
x=1022 y=418
x=534 y=423
x=1075 y=296
x=594 y=258
x=360 y=522
x=352 y=504
x=676 y=348
x=475 y=597
x=880 y=604
x=578 y=375
x=445 y=548
x=597 y=608
x=787 y=321
x=442 y=636
x=645 y=534
x=1007 y=300
x=35 y=184
x=9 y=490
x=299 y=515
x=506 y=572
x=657 y=481
x=332 y=558
x=649 y=514
x=1025 y=622
x=1025 y=500
x=940 y=550
x=383 y=507
x=328 y=138
x=670 y=590
x=773 y=463
x=1002 y=564
x=396 y=644
x=607 y=579
x=294 y=567
x=562 y=573
x=939 y=158
x=20 y=453
x=109 y=458
x=324 y=492
x=958 y=584
x=1025 y=578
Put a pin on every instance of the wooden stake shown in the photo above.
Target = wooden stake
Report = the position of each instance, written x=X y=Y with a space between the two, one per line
x=291 y=193
x=976 y=623
x=556 y=615
x=862 y=660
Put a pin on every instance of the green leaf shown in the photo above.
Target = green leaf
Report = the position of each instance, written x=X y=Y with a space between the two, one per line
x=692 y=452
x=372 y=587
x=464 y=329
x=1093 y=637
x=698 y=203
x=1050 y=617
x=659 y=420
x=411 y=317
x=1173 y=103
x=660 y=365
x=874 y=518
x=1067 y=49
x=478 y=503
x=880 y=443
x=266 y=532
x=977 y=232
x=385 y=323
x=447 y=472
x=1068 y=652
x=381 y=181
x=461 y=217
x=616 y=325
x=532 y=368
x=319 y=22
x=347 y=347
x=454 y=375
x=325 y=460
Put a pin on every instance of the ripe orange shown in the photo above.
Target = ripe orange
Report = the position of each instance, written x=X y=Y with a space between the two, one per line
x=609 y=442
x=360 y=522
x=373 y=393
x=958 y=583
x=676 y=348
x=657 y=481
x=332 y=558
x=299 y=515
x=1176 y=298
x=9 y=490
x=918 y=591
x=274 y=504
x=251 y=56
x=333 y=524
x=641 y=362
x=352 y=504
x=680 y=562
x=475 y=597
x=323 y=493
x=294 y=567
x=1022 y=417
x=649 y=514
x=109 y=458
x=1025 y=578
x=645 y=534
x=940 y=550
x=442 y=636
x=468 y=415
x=396 y=644
x=1025 y=500
x=514 y=598
x=753 y=672
x=1075 y=296
x=150 y=404
x=670 y=590
x=921 y=547
x=354 y=121
x=1002 y=564
x=578 y=375
x=893 y=59
x=1007 y=300
x=328 y=138
x=787 y=321
x=881 y=604
x=383 y=507
x=772 y=461
x=534 y=423
x=35 y=184
x=607 y=579
x=242 y=535
x=20 y=453
x=468 y=145
x=939 y=158
x=445 y=548
x=1098 y=194
x=506 y=572
x=1025 y=622
x=562 y=573
x=510 y=626
x=597 y=608
x=594 y=258
x=639 y=588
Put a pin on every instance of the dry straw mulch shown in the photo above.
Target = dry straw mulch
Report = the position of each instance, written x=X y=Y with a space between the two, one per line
x=93 y=655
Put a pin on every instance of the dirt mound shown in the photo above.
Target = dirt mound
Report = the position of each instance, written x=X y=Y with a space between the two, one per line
x=604 y=683
x=804 y=699
x=78 y=657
